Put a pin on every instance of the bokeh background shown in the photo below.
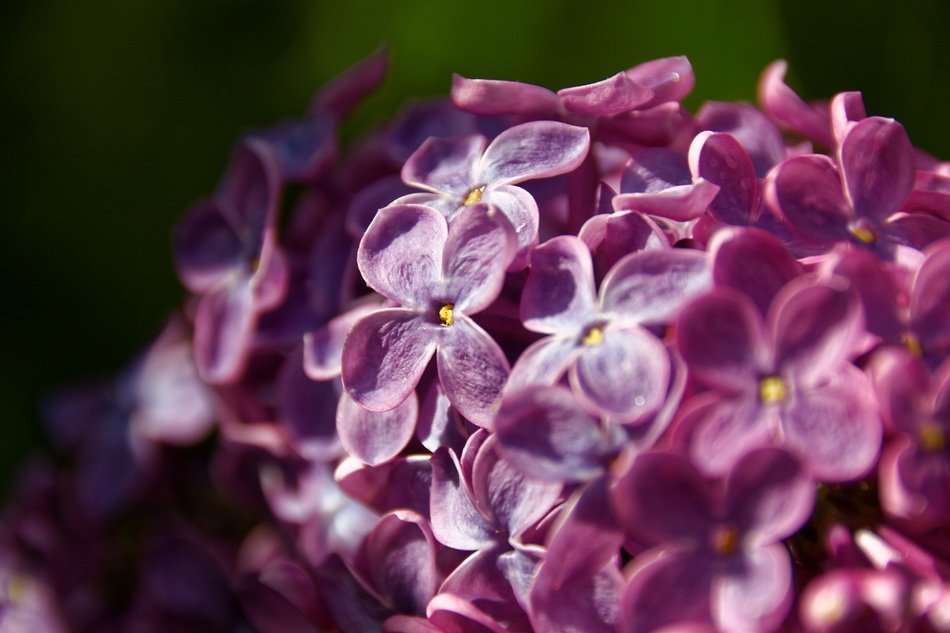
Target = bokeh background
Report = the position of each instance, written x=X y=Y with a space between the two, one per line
x=117 y=114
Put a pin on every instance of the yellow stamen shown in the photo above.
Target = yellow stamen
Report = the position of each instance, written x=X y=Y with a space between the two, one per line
x=473 y=196
x=863 y=235
x=593 y=337
x=912 y=344
x=772 y=390
x=932 y=438
x=724 y=539
x=446 y=314
x=17 y=587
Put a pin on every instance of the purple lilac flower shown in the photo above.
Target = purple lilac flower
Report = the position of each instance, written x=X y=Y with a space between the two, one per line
x=717 y=556
x=460 y=172
x=441 y=275
x=915 y=467
x=787 y=381
x=617 y=366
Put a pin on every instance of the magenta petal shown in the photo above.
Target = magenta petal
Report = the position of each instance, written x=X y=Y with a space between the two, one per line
x=769 y=495
x=544 y=362
x=721 y=159
x=539 y=149
x=351 y=86
x=479 y=245
x=480 y=580
x=717 y=432
x=384 y=357
x=815 y=326
x=652 y=286
x=558 y=294
x=807 y=191
x=515 y=501
x=207 y=247
x=626 y=376
x=491 y=96
x=307 y=411
x=445 y=165
x=722 y=338
x=788 y=110
x=224 y=326
x=374 y=437
x=878 y=166
x=835 y=427
x=753 y=130
x=520 y=208
x=397 y=558
x=732 y=249
x=456 y=522
x=670 y=491
x=930 y=300
x=545 y=434
x=665 y=587
x=681 y=203
x=611 y=236
x=757 y=596
x=452 y=614
x=878 y=289
x=607 y=97
x=670 y=78
x=846 y=108
x=323 y=349
x=902 y=382
x=472 y=369
x=400 y=255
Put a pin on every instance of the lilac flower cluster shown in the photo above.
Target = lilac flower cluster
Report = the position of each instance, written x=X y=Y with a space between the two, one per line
x=527 y=361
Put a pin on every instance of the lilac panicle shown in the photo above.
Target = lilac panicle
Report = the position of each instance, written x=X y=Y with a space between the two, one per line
x=688 y=377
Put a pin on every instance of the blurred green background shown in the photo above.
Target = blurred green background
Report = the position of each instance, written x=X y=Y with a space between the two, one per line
x=117 y=114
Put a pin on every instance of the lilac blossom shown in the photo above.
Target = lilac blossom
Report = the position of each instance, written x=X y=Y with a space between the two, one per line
x=915 y=467
x=787 y=380
x=460 y=172
x=617 y=367
x=717 y=555
x=441 y=275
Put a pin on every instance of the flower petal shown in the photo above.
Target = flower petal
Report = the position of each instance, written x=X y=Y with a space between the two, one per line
x=473 y=370
x=665 y=587
x=732 y=249
x=479 y=246
x=756 y=595
x=224 y=326
x=650 y=287
x=521 y=209
x=769 y=495
x=669 y=490
x=558 y=295
x=611 y=236
x=539 y=149
x=717 y=431
x=514 y=501
x=400 y=255
x=807 y=191
x=456 y=522
x=815 y=326
x=374 y=437
x=835 y=427
x=608 y=97
x=878 y=167
x=757 y=135
x=681 y=203
x=492 y=96
x=720 y=159
x=545 y=434
x=625 y=376
x=307 y=411
x=788 y=110
x=722 y=339
x=384 y=356
x=930 y=300
x=670 y=78
x=445 y=165
x=207 y=247
x=543 y=362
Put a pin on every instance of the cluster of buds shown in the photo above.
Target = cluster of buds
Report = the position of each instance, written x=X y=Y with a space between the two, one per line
x=525 y=361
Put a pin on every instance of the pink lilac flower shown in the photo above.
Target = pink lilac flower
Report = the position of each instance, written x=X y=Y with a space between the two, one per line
x=785 y=381
x=617 y=366
x=716 y=553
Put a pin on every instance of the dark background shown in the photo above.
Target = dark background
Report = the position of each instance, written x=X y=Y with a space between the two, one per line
x=116 y=114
